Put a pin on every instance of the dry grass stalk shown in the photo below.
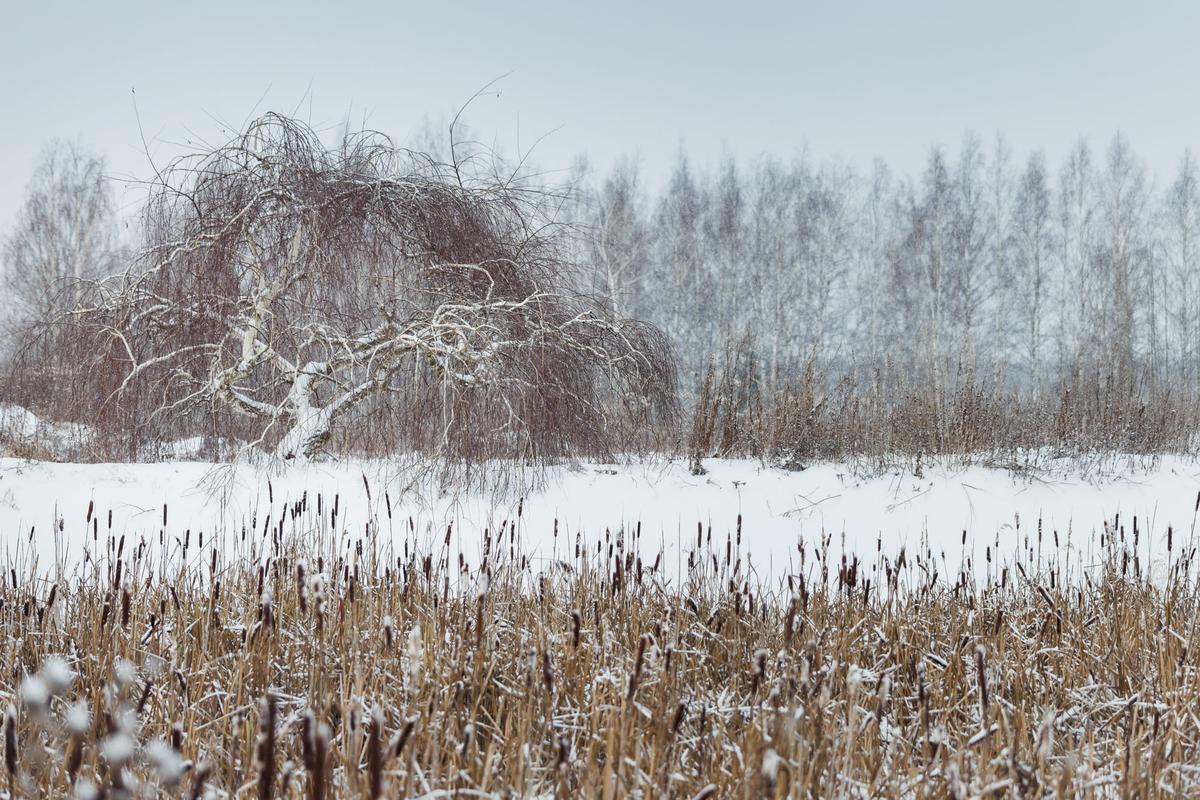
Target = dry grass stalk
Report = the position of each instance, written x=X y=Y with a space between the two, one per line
x=897 y=677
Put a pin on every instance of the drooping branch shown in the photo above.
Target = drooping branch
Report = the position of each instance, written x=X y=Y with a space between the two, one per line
x=296 y=283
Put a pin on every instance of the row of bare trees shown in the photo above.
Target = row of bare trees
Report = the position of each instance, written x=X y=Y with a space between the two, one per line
x=279 y=285
x=981 y=262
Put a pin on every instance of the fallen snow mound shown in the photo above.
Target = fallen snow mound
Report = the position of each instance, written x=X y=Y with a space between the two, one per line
x=21 y=429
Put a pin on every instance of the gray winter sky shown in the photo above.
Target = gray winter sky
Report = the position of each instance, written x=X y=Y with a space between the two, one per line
x=849 y=79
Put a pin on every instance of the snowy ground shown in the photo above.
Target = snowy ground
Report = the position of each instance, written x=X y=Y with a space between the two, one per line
x=779 y=509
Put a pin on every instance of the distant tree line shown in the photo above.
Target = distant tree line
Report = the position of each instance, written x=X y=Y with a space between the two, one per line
x=980 y=262
x=983 y=283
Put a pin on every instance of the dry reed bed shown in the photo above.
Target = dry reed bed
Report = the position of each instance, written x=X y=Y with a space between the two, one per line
x=887 y=418
x=312 y=665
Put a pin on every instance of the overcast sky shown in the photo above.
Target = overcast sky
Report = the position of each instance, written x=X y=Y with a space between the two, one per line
x=848 y=79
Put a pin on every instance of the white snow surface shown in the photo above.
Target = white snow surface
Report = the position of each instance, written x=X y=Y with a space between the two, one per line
x=21 y=424
x=43 y=508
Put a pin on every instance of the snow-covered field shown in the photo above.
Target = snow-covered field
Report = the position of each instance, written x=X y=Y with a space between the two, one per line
x=43 y=508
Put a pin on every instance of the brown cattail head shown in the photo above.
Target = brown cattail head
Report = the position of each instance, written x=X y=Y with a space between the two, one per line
x=401 y=739
x=264 y=753
x=10 y=742
x=981 y=679
x=314 y=745
x=375 y=750
x=637 y=667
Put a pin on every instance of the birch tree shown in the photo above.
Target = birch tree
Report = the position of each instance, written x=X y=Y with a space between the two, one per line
x=1033 y=246
x=680 y=266
x=1077 y=330
x=724 y=247
x=65 y=232
x=299 y=284
x=1122 y=260
x=920 y=270
x=1181 y=251
x=619 y=237
x=968 y=279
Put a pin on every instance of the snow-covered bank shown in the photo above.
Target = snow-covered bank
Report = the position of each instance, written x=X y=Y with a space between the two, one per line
x=779 y=509
x=21 y=426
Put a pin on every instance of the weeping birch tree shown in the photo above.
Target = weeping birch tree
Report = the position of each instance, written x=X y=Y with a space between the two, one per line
x=301 y=285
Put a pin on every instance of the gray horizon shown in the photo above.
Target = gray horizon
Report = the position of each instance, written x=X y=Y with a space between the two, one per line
x=853 y=83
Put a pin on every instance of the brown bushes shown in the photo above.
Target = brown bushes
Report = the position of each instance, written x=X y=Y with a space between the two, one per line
x=887 y=416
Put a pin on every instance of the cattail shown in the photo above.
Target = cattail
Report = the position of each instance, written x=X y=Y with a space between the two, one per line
x=285 y=778
x=125 y=599
x=564 y=753
x=576 y=623
x=680 y=716
x=74 y=755
x=923 y=697
x=468 y=735
x=770 y=773
x=144 y=696
x=314 y=742
x=307 y=735
x=375 y=747
x=168 y=763
x=301 y=589
x=267 y=609
x=401 y=739
x=202 y=773
x=265 y=751
x=981 y=678
x=637 y=669
x=10 y=744
x=118 y=749
x=760 y=669
x=547 y=674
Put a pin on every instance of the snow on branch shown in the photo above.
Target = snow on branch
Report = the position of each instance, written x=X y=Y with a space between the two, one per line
x=296 y=283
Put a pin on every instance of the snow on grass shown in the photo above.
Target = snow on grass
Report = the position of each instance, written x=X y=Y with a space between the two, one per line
x=20 y=425
x=779 y=509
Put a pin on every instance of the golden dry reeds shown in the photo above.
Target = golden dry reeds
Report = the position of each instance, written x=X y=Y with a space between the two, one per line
x=306 y=665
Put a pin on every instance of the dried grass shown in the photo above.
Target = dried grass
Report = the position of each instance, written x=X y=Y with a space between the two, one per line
x=307 y=662
x=887 y=419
